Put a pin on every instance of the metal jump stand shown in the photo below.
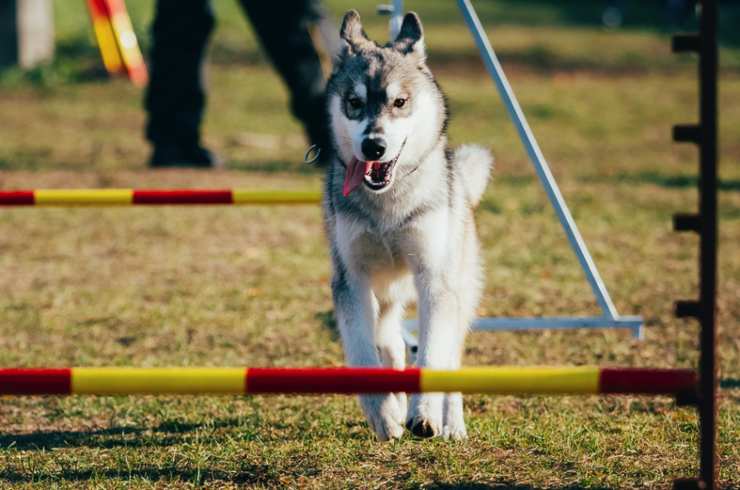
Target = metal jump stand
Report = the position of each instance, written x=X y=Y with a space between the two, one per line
x=609 y=318
x=705 y=224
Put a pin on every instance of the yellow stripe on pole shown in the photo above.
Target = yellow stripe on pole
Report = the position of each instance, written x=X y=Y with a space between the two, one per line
x=122 y=381
x=106 y=39
x=83 y=197
x=513 y=380
x=244 y=196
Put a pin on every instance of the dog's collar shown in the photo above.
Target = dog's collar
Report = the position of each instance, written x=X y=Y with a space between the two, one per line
x=412 y=170
x=421 y=161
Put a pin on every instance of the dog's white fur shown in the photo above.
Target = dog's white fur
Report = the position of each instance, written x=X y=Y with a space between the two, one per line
x=416 y=239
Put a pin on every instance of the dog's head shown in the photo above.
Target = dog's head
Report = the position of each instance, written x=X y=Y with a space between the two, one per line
x=386 y=110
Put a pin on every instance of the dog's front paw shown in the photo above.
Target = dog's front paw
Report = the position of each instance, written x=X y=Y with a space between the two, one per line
x=425 y=415
x=384 y=414
x=454 y=420
x=455 y=432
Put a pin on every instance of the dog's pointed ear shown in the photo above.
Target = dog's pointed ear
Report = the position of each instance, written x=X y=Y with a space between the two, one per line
x=410 y=39
x=351 y=33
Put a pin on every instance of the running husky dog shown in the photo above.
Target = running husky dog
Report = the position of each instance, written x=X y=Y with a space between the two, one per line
x=399 y=212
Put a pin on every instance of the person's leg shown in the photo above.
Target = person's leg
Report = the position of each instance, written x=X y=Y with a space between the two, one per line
x=176 y=96
x=283 y=28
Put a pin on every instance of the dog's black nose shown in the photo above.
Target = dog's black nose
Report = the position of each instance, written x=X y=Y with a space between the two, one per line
x=373 y=148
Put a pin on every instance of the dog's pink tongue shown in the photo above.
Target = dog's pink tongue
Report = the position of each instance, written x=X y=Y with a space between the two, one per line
x=354 y=175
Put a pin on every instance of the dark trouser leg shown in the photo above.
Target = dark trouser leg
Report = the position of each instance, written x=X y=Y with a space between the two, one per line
x=283 y=28
x=175 y=97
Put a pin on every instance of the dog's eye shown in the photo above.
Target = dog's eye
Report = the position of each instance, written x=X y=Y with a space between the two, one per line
x=399 y=103
x=355 y=102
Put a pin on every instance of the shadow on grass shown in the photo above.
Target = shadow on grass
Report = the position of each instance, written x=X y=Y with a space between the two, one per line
x=544 y=60
x=637 y=16
x=662 y=180
x=38 y=160
x=501 y=486
x=539 y=58
x=254 y=474
x=275 y=166
x=168 y=433
x=75 y=61
x=329 y=322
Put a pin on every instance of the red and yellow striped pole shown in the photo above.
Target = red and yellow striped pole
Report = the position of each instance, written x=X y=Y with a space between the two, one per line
x=117 y=40
x=513 y=380
x=105 y=37
x=127 y=197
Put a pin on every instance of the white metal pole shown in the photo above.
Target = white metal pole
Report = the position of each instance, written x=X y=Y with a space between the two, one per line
x=538 y=160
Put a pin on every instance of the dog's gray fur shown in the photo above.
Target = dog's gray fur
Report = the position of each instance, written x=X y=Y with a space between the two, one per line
x=413 y=239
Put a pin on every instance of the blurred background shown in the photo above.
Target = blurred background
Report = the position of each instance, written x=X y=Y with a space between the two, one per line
x=250 y=286
x=550 y=46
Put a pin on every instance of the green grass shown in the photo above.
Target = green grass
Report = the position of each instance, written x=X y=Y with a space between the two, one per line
x=250 y=286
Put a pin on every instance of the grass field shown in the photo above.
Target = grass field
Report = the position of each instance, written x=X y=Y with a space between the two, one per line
x=250 y=286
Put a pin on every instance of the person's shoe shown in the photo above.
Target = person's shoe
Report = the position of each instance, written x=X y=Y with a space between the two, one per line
x=173 y=155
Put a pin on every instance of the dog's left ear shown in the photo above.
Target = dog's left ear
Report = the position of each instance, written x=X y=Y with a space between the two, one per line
x=410 y=39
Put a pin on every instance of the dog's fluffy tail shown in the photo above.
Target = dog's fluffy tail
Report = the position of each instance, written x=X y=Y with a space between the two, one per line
x=473 y=163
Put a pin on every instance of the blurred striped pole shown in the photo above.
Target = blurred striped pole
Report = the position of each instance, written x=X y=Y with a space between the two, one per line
x=117 y=40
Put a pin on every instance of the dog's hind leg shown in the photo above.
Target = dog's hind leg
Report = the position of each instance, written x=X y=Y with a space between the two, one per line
x=355 y=309
x=388 y=336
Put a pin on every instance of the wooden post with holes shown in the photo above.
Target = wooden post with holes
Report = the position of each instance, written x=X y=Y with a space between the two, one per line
x=704 y=135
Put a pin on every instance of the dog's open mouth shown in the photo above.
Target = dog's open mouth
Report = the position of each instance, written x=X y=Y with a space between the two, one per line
x=376 y=175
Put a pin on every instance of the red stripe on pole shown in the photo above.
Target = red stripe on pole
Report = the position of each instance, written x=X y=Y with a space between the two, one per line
x=183 y=196
x=99 y=8
x=36 y=381
x=647 y=381
x=116 y=6
x=16 y=198
x=332 y=380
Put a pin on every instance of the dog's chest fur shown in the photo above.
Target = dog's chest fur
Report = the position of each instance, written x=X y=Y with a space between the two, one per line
x=386 y=234
x=376 y=251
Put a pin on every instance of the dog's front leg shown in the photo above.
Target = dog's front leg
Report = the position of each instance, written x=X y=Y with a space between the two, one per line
x=355 y=311
x=439 y=333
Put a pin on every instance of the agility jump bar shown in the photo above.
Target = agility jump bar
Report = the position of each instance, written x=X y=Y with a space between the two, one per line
x=342 y=380
x=153 y=197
